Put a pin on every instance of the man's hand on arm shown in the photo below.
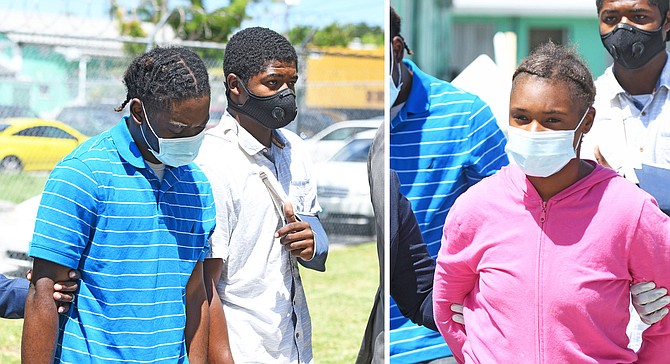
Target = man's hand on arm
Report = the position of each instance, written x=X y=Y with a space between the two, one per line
x=63 y=291
x=650 y=302
x=197 y=317
x=40 y=326
x=219 y=346
x=296 y=236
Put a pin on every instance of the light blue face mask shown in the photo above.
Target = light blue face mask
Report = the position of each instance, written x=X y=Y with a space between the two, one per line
x=393 y=89
x=541 y=153
x=174 y=152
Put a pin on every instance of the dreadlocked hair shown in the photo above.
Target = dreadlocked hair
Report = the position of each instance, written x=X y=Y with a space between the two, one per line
x=395 y=23
x=165 y=75
x=395 y=29
x=559 y=63
x=251 y=50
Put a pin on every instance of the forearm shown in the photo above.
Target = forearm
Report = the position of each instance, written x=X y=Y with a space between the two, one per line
x=452 y=332
x=412 y=279
x=219 y=346
x=651 y=254
x=196 y=331
x=453 y=282
x=40 y=326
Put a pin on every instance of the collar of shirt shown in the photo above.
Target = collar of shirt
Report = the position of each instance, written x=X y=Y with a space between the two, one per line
x=126 y=145
x=248 y=142
x=612 y=87
x=418 y=101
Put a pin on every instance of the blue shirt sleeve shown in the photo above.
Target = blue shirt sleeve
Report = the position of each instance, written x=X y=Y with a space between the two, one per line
x=209 y=219
x=67 y=215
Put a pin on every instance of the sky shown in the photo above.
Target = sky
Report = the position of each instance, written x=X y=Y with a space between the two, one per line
x=271 y=14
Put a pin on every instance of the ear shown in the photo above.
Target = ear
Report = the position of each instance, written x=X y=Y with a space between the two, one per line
x=666 y=26
x=233 y=83
x=398 y=48
x=588 y=120
x=136 y=111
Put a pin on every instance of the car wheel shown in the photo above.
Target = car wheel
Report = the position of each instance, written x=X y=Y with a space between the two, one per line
x=11 y=164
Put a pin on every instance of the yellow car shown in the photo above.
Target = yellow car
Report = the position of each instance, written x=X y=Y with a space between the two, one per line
x=29 y=144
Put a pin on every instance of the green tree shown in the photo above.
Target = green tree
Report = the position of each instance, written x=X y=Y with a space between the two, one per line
x=190 y=22
x=336 y=35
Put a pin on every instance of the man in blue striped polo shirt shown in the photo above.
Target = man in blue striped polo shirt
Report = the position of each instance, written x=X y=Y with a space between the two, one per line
x=442 y=141
x=131 y=212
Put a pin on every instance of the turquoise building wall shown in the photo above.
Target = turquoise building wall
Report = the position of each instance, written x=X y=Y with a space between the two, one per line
x=428 y=28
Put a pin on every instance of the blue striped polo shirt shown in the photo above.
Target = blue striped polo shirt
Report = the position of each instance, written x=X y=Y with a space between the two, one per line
x=443 y=141
x=135 y=241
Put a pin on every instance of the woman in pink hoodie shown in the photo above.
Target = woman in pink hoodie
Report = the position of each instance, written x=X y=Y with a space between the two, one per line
x=542 y=254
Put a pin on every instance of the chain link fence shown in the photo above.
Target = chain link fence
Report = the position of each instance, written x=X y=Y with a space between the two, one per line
x=55 y=92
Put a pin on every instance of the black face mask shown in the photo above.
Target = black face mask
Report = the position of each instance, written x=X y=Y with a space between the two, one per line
x=274 y=111
x=631 y=47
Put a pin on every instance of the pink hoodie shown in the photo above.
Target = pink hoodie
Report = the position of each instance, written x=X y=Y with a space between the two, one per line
x=550 y=282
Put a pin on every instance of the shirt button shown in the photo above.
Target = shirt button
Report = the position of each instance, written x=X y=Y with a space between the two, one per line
x=265 y=150
x=644 y=113
x=641 y=149
x=297 y=335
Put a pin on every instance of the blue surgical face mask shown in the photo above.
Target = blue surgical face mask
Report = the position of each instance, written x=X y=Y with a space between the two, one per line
x=393 y=89
x=174 y=152
x=541 y=153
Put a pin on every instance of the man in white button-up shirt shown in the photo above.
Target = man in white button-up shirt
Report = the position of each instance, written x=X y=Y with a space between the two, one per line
x=632 y=123
x=256 y=245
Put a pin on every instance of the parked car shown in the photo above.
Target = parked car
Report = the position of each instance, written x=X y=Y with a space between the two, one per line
x=91 y=119
x=343 y=190
x=308 y=122
x=327 y=142
x=17 y=226
x=15 y=111
x=35 y=144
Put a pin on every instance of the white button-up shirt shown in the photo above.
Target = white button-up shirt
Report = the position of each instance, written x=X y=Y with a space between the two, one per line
x=260 y=287
x=627 y=135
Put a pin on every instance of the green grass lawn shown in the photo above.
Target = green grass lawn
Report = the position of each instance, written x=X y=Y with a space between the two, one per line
x=20 y=187
x=10 y=341
x=339 y=301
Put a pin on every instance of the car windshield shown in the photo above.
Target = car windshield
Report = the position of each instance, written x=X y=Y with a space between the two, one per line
x=3 y=126
x=345 y=133
x=355 y=151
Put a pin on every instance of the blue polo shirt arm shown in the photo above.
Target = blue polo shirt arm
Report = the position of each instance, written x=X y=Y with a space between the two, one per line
x=487 y=143
x=66 y=218
x=13 y=293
